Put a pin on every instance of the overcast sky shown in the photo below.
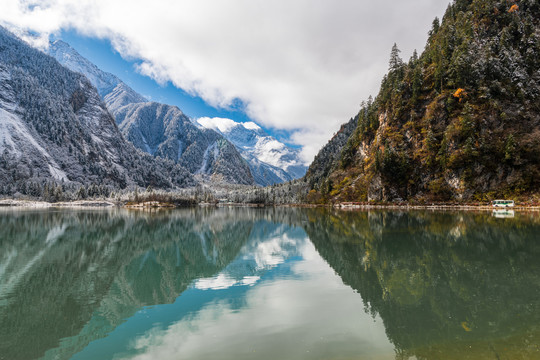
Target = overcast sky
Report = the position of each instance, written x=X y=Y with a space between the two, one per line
x=302 y=66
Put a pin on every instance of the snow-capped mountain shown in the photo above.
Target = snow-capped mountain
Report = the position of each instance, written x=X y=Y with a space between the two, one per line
x=270 y=160
x=55 y=127
x=159 y=129
x=114 y=91
x=164 y=131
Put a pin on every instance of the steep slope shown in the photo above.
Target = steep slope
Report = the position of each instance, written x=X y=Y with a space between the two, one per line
x=263 y=173
x=271 y=161
x=462 y=121
x=54 y=127
x=114 y=91
x=159 y=129
x=163 y=130
x=327 y=158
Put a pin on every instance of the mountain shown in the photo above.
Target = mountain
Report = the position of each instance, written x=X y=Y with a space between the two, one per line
x=55 y=128
x=163 y=130
x=459 y=122
x=114 y=91
x=271 y=161
x=328 y=157
x=159 y=129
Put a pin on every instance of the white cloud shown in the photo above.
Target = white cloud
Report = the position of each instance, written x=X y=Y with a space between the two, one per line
x=222 y=281
x=250 y=125
x=219 y=124
x=299 y=65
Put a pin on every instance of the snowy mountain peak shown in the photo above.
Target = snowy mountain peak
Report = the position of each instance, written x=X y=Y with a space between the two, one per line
x=251 y=125
x=115 y=92
x=68 y=56
x=161 y=130
x=255 y=144
x=166 y=132
x=55 y=128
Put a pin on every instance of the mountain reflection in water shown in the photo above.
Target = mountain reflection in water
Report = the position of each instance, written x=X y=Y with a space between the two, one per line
x=278 y=283
x=447 y=285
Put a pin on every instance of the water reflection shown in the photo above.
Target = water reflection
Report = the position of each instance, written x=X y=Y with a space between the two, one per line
x=267 y=284
x=59 y=268
x=502 y=214
x=276 y=299
x=447 y=285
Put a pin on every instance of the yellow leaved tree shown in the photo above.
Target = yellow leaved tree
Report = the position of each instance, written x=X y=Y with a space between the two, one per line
x=513 y=8
x=460 y=94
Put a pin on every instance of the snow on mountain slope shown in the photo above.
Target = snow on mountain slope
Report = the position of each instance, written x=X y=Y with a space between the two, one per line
x=16 y=139
x=159 y=129
x=259 y=148
x=54 y=127
x=165 y=131
x=115 y=92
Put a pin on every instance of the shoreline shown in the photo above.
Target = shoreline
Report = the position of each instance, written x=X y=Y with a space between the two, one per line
x=13 y=203
x=342 y=206
x=10 y=203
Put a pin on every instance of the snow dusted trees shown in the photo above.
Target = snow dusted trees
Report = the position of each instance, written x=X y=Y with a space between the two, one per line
x=58 y=131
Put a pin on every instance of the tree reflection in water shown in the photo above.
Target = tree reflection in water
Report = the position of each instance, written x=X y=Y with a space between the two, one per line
x=59 y=267
x=447 y=285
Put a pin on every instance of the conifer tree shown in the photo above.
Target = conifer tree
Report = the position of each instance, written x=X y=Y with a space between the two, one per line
x=395 y=60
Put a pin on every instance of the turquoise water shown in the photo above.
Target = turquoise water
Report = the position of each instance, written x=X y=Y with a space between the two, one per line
x=269 y=284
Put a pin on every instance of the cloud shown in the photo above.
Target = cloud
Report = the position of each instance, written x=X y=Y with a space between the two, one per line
x=219 y=124
x=303 y=65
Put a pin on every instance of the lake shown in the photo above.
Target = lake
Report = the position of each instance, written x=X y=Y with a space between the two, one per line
x=278 y=283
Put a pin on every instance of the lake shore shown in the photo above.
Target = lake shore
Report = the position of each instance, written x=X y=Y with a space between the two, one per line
x=63 y=204
x=434 y=207
x=101 y=203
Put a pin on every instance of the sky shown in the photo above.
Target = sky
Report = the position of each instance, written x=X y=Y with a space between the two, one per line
x=298 y=68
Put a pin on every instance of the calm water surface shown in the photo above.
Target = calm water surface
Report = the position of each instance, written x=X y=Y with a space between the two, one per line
x=269 y=284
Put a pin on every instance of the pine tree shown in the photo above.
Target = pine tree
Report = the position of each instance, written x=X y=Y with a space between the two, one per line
x=434 y=27
x=395 y=60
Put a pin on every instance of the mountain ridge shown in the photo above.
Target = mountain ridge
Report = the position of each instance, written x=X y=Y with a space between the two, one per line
x=271 y=161
x=459 y=122
x=160 y=130
x=55 y=129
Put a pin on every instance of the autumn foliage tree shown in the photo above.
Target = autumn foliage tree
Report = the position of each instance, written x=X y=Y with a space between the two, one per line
x=460 y=94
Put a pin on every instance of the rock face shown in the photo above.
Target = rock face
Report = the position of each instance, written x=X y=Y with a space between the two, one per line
x=54 y=127
x=461 y=121
x=271 y=161
x=159 y=129
x=164 y=131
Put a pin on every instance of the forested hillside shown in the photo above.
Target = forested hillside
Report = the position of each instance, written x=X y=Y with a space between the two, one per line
x=56 y=133
x=160 y=130
x=460 y=121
